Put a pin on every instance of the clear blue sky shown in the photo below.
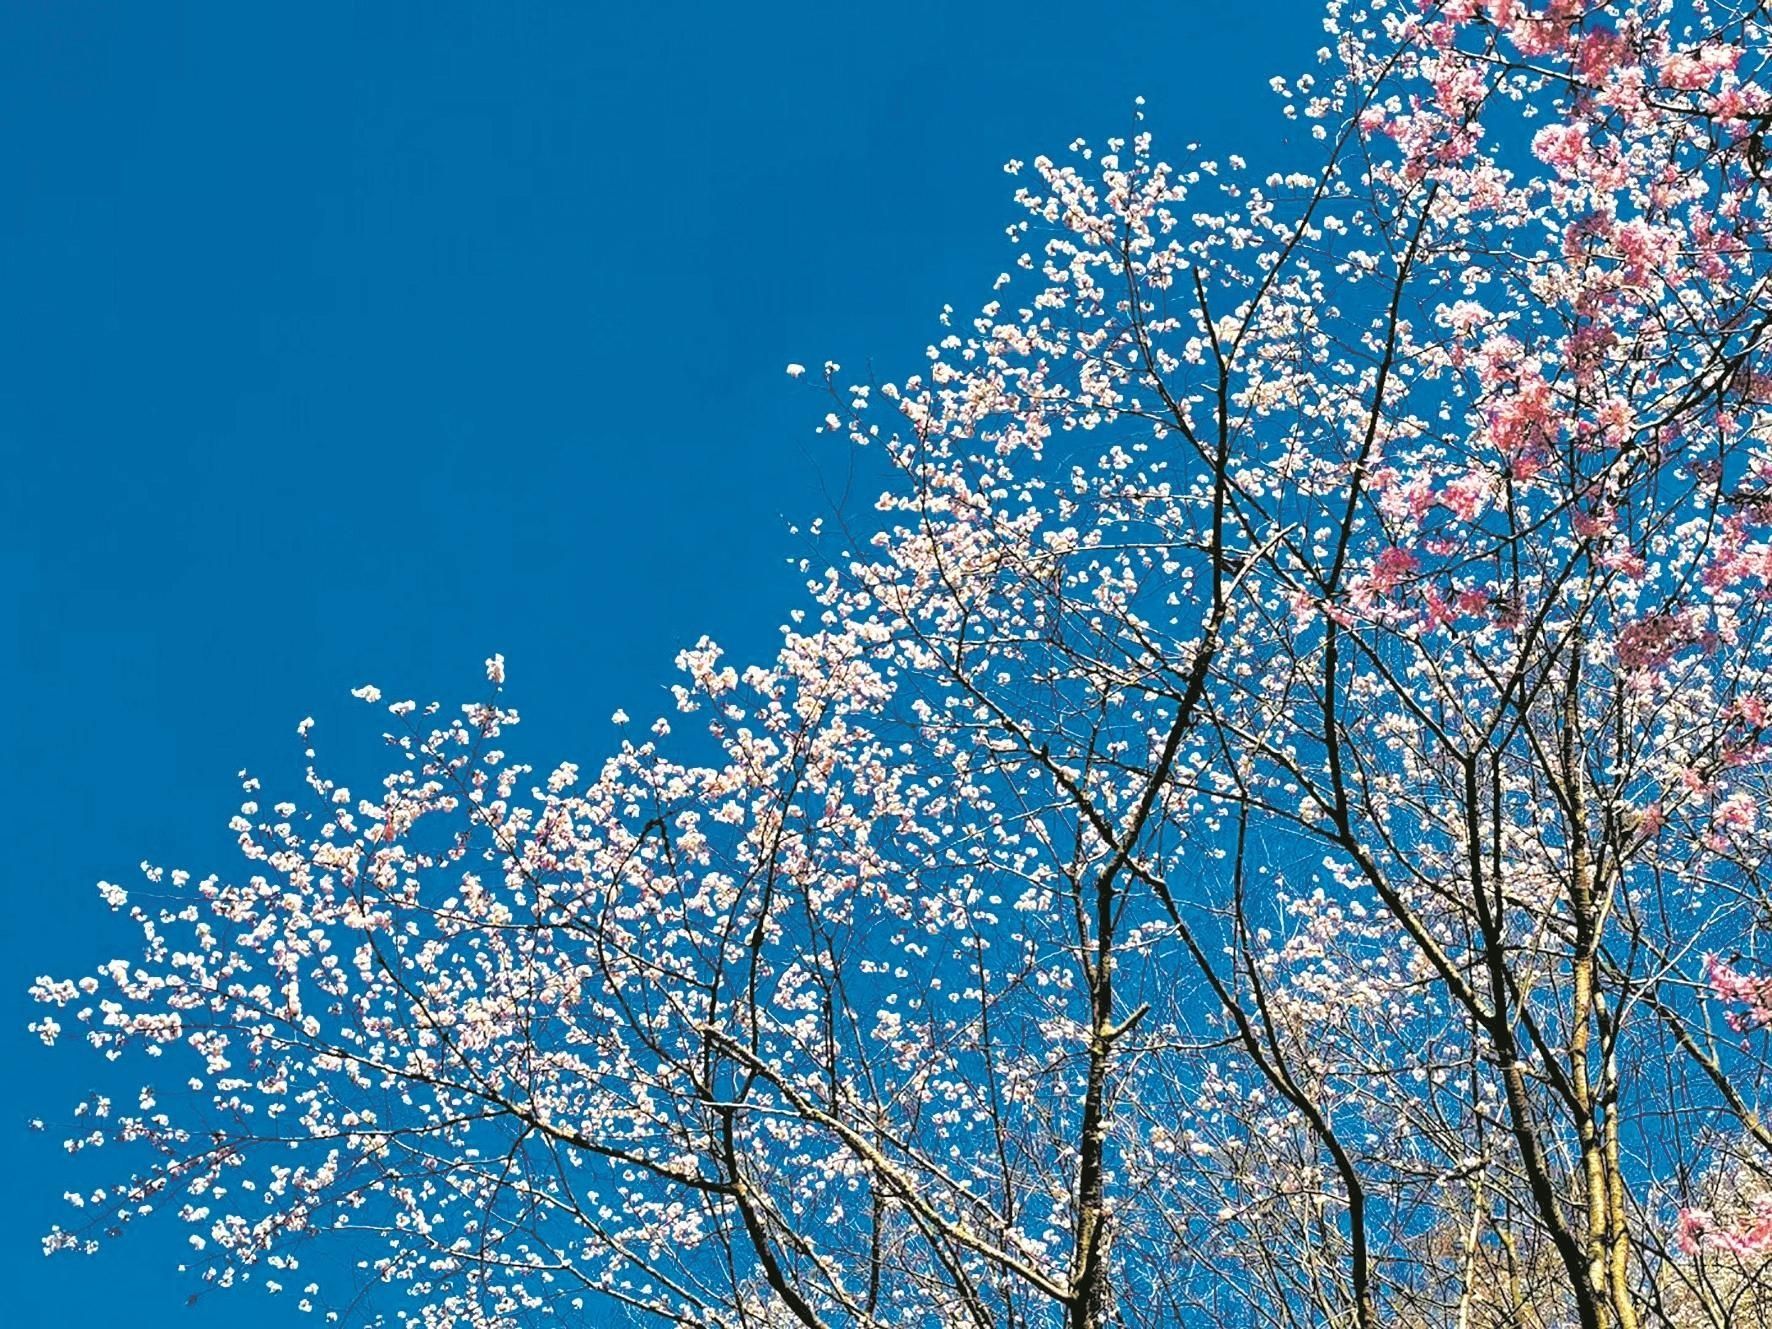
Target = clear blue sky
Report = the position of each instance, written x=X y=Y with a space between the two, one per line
x=351 y=343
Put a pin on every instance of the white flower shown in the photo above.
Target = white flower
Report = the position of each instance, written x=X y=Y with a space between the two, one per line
x=620 y=717
x=368 y=692
x=495 y=670
x=794 y=371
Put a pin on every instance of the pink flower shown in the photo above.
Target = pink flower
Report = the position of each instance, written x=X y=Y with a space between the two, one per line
x=1740 y=989
x=1653 y=641
x=1694 y=1225
x=1467 y=496
x=1563 y=147
x=1391 y=567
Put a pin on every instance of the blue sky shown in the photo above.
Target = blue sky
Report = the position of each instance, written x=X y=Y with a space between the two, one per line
x=356 y=343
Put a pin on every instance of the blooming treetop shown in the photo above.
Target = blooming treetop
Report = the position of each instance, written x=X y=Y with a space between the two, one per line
x=1255 y=830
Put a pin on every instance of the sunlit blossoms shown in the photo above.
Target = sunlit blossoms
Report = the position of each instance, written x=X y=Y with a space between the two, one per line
x=1265 y=825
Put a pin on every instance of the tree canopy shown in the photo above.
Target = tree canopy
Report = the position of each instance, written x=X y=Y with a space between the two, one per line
x=1263 y=824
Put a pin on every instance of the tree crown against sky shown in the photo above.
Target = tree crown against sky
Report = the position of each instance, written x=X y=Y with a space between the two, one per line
x=1261 y=825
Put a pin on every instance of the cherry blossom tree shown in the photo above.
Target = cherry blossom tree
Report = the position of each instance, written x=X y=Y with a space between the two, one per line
x=1262 y=825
